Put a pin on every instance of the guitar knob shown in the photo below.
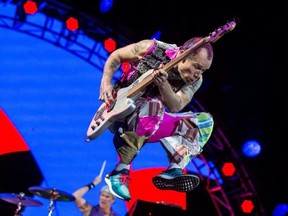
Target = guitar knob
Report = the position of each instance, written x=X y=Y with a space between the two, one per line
x=93 y=127
x=98 y=123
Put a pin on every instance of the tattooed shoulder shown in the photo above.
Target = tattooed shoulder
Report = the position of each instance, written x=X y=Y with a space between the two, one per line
x=140 y=46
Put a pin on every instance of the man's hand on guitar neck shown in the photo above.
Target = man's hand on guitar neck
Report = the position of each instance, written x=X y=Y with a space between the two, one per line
x=160 y=76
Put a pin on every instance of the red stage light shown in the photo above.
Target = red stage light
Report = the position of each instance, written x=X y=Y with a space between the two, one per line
x=247 y=206
x=72 y=24
x=30 y=7
x=109 y=44
x=125 y=67
x=228 y=169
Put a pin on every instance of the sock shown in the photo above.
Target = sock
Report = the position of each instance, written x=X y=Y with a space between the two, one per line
x=121 y=166
x=174 y=165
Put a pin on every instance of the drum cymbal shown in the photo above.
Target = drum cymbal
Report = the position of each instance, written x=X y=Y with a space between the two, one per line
x=16 y=199
x=52 y=193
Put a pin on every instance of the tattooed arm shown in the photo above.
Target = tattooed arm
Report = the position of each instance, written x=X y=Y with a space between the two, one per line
x=130 y=53
x=175 y=102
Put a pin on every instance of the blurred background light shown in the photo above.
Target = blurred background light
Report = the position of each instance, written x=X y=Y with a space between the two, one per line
x=247 y=206
x=125 y=67
x=228 y=169
x=72 y=24
x=110 y=45
x=157 y=35
x=251 y=148
x=105 y=5
x=30 y=7
x=280 y=210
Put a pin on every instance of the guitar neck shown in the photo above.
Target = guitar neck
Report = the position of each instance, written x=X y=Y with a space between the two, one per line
x=148 y=80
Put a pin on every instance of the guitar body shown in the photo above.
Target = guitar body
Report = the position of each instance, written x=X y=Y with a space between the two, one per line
x=122 y=107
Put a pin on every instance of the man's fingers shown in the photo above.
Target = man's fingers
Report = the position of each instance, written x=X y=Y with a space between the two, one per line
x=165 y=74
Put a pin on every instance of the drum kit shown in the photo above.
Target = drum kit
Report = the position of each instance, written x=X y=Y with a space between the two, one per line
x=52 y=194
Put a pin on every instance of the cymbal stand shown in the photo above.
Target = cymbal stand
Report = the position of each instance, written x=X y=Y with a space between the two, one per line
x=19 y=205
x=51 y=207
x=53 y=197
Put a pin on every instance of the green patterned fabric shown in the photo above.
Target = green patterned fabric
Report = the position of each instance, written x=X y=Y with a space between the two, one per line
x=205 y=125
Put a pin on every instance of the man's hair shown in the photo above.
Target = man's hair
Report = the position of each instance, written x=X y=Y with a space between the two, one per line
x=106 y=189
x=206 y=46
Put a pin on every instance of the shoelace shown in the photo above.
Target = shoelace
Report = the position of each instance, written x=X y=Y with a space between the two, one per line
x=125 y=179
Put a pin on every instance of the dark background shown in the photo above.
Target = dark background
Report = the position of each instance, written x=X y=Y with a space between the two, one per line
x=245 y=89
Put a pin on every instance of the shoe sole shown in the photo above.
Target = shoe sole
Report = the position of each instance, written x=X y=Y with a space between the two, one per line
x=111 y=190
x=183 y=183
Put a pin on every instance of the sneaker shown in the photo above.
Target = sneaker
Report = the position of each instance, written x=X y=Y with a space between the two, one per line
x=175 y=179
x=117 y=182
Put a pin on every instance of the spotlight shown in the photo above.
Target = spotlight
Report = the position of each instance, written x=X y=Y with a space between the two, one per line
x=105 y=5
x=110 y=45
x=251 y=148
x=72 y=24
x=30 y=7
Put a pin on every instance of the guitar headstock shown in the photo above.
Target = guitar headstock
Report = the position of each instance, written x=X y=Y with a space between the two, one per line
x=218 y=33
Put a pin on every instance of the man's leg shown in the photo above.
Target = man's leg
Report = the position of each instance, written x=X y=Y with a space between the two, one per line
x=129 y=139
x=173 y=178
x=180 y=146
x=128 y=145
x=187 y=142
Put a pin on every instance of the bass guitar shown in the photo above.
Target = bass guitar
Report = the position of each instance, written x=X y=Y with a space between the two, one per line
x=125 y=98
